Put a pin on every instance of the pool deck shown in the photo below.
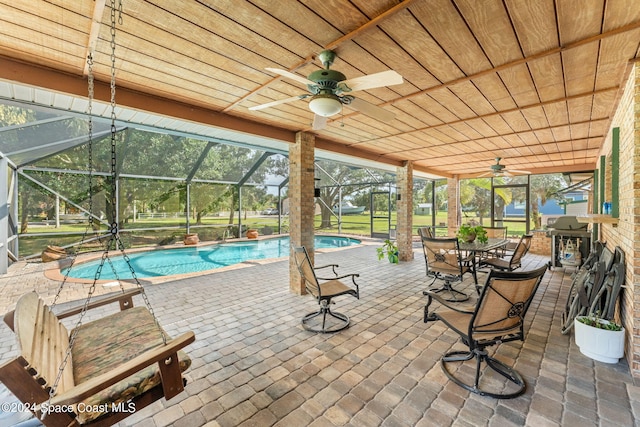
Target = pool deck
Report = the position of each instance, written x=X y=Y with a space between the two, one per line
x=254 y=365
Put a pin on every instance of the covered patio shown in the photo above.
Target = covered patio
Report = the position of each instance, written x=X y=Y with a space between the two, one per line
x=545 y=86
x=254 y=365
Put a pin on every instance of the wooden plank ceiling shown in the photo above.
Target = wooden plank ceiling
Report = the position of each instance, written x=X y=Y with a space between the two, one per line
x=532 y=82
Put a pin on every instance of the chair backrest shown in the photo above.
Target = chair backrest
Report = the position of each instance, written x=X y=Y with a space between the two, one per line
x=521 y=250
x=496 y=232
x=503 y=303
x=303 y=262
x=442 y=255
x=42 y=341
x=527 y=239
x=426 y=232
x=607 y=257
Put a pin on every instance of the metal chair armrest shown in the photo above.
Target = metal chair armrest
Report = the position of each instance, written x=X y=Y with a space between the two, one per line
x=333 y=268
x=428 y=317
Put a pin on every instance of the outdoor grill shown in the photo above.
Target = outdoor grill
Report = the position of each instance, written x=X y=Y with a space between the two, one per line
x=567 y=228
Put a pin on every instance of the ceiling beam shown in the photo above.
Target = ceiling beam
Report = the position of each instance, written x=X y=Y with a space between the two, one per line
x=94 y=32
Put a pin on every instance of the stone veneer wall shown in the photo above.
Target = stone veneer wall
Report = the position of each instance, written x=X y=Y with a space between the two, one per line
x=404 y=185
x=626 y=234
x=453 y=205
x=301 y=203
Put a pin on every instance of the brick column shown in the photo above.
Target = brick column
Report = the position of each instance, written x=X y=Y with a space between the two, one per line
x=404 y=208
x=301 y=203
x=453 y=205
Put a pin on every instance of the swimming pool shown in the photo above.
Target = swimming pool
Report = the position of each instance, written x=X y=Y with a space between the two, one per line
x=191 y=259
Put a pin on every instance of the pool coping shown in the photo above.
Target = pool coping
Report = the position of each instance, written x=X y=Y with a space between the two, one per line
x=52 y=270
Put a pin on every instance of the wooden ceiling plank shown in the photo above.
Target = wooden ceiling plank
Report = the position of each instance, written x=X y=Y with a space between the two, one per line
x=365 y=26
x=613 y=56
x=465 y=130
x=580 y=67
x=419 y=117
x=473 y=98
x=498 y=124
x=386 y=50
x=557 y=113
x=226 y=44
x=255 y=28
x=579 y=19
x=65 y=54
x=412 y=37
x=492 y=28
x=547 y=76
x=518 y=81
x=535 y=117
x=544 y=135
x=43 y=16
x=480 y=128
x=516 y=120
x=618 y=14
x=452 y=103
x=580 y=130
x=535 y=25
x=579 y=109
x=602 y=102
x=561 y=132
x=447 y=27
x=553 y=51
x=495 y=92
x=298 y=17
x=435 y=108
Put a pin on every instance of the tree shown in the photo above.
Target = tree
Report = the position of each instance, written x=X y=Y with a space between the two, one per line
x=339 y=179
x=475 y=193
x=542 y=188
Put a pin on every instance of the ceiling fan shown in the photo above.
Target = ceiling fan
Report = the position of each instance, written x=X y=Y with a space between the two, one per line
x=500 y=170
x=329 y=90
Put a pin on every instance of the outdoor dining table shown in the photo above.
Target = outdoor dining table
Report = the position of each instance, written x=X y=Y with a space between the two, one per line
x=475 y=247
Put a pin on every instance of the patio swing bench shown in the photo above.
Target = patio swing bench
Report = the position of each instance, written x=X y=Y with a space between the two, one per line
x=118 y=364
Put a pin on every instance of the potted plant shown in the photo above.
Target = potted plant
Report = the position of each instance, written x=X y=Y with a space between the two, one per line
x=191 y=239
x=469 y=233
x=599 y=339
x=390 y=250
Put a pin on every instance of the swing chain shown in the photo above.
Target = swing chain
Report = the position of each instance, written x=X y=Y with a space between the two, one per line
x=72 y=338
x=114 y=238
x=91 y=87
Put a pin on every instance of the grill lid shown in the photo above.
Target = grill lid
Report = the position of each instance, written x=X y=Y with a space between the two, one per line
x=568 y=222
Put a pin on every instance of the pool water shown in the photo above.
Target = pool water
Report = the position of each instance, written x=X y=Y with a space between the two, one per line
x=167 y=262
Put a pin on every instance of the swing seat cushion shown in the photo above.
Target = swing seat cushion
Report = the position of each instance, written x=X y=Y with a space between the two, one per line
x=104 y=344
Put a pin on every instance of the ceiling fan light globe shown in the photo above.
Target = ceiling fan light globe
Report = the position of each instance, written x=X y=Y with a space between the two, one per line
x=325 y=105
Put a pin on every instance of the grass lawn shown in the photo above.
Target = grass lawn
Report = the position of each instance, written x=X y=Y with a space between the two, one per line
x=169 y=230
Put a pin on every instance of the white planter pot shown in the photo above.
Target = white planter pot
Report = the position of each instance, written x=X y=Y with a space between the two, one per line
x=599 y=344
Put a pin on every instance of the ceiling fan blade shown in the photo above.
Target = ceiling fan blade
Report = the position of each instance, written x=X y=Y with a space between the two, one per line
x=371 y=110
x=385 y=78
x=274 y=103
x=484 y=174
x=289 y=75
x=319 y=122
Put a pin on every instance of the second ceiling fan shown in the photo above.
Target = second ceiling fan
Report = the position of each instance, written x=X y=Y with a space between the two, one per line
x=498 y=169
x=329 y=90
